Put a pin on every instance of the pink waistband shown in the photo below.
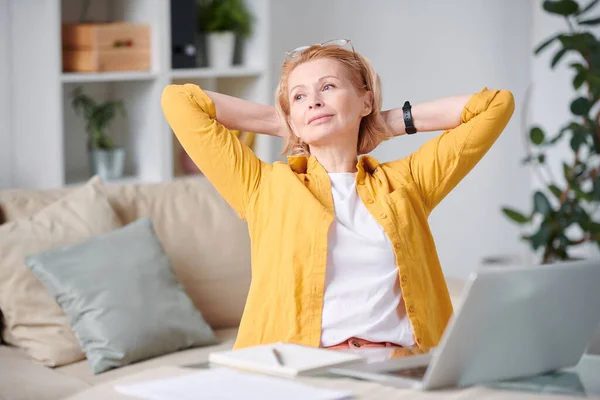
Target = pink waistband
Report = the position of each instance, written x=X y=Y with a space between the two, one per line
x=355 y=343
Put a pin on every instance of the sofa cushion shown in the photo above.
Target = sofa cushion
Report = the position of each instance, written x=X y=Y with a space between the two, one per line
x=32 y=319
x=121 y=296
x=21 y=379
x=20 y=203
x=81 y=370
x=208 y=245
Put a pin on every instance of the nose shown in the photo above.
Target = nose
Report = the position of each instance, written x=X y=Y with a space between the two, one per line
x=316 y=102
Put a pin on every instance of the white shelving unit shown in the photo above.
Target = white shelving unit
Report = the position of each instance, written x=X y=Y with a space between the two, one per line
x=49 y=138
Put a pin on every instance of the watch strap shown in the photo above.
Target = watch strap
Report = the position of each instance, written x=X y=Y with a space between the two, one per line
x=408 y=120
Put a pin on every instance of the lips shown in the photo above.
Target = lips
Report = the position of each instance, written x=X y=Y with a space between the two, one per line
x=317 y=117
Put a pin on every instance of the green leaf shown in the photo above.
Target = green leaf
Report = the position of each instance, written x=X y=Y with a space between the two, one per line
x=580 y=106
x=564 y=240
x=515 y=216
x=545 y=44
x=579 y=193
x=561 y=7
x=588 y=7
x=579 y=215
x=542 y=236
x=579 y=80
x=555 y=191
x=541 y=203
x=594 y=21
x=593 y=228
x=596 y=192
x=559 y=54
x=576 y=141
x=536 y=135
x=567 y=172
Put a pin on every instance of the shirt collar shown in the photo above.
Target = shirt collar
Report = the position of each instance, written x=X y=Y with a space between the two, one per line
x=302 y=165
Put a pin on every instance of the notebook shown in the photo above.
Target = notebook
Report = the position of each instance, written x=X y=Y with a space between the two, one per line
x=286 y=359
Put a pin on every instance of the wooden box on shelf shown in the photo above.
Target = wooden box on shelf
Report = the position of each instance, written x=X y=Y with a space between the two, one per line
x=104 y=47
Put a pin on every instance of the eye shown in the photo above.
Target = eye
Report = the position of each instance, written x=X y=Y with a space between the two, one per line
x=298 y=97
x=327 y=86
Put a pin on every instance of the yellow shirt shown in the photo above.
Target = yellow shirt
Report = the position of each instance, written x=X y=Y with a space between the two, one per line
x=289 y=208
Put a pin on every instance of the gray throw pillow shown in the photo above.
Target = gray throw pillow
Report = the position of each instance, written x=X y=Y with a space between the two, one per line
x=122 y=299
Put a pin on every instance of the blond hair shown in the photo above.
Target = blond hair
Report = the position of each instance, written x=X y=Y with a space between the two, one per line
x=363 y=77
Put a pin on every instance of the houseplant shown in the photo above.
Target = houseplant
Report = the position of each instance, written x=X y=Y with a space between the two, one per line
x=565 y=212
x=106 y=159
x=223 y=22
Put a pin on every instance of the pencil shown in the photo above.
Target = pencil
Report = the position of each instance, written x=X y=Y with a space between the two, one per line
x=278 y=357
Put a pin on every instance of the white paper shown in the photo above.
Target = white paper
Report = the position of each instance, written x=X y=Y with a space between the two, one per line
x=225 y=384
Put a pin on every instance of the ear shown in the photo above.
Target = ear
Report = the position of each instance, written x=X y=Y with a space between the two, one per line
x=291 y=124
x=367 y=104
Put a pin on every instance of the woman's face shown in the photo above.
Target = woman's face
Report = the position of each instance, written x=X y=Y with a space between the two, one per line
x=324 y=105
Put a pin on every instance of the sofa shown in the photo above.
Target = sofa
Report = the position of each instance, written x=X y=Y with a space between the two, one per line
x=207 y=246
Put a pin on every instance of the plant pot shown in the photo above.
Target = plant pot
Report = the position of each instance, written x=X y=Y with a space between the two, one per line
x=221 y=47
x=108 y=164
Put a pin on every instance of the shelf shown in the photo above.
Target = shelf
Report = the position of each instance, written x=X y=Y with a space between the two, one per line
x=232 y=72
x=128 y=179
x=82 y=77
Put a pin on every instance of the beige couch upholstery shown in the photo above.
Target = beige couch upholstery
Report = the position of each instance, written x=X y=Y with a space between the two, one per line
x=205 y=241
x=201 y=235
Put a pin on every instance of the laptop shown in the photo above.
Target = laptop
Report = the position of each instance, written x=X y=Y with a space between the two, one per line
x=510 y=322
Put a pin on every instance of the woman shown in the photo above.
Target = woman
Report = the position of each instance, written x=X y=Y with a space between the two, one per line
x=342 y=254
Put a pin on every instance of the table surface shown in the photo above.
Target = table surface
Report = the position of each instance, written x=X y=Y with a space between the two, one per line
x=581 y=381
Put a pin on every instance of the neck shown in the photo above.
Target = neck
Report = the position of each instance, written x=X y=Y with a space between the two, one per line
x=335 y=159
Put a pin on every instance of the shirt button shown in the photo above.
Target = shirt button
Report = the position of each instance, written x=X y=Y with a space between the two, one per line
x=370 y=201
x=404 y=278
x=383 y=216
x=397 y=246
x=411 y=309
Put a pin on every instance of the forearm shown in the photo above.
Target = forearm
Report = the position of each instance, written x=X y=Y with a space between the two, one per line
x=244 y=115
x=436 y=115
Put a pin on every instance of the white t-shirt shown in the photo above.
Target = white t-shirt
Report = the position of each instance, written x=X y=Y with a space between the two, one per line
x=362 y=291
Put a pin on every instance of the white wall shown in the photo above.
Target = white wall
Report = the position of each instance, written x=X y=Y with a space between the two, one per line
x=5 y=139
x=430 y=49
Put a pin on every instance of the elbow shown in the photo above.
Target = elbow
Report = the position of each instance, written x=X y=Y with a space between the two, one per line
x=510 y=104
x=508 y=99
x=168 y=96
x=504 y=106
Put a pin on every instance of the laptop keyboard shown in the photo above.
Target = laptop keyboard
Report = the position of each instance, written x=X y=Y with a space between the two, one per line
x=412 y=373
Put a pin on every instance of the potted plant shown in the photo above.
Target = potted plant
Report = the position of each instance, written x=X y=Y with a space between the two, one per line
x=223 y=22
x=106 y=159
x=564 y=213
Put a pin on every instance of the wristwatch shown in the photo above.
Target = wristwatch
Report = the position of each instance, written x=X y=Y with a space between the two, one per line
x=408 y=121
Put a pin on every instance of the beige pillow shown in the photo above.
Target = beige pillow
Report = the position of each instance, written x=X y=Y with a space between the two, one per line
x=33 y=321
x=20 y=203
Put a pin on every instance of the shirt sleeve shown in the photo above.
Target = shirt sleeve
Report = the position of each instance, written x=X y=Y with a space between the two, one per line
x=441 y=163
x=228 y=164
